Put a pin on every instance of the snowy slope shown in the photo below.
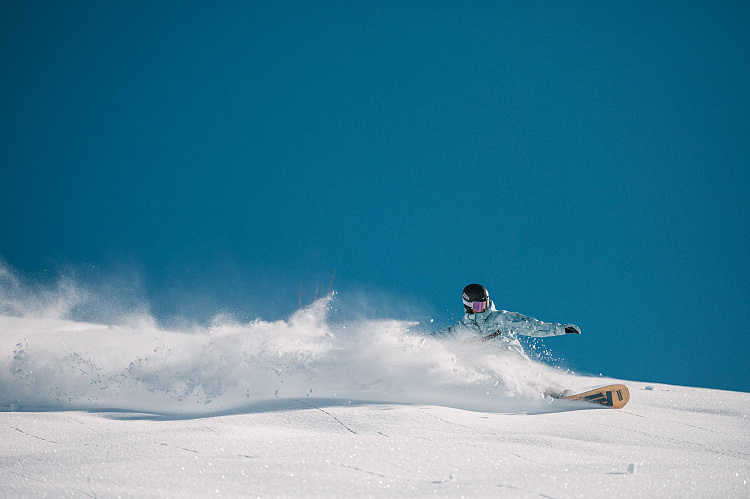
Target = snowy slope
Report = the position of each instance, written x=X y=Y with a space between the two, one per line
x=302 y=408
x=668 y=442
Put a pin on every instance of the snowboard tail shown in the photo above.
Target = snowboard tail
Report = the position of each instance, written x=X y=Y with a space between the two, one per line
x=615 y=396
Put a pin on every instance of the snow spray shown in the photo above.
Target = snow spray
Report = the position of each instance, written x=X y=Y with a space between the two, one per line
x=48 y=361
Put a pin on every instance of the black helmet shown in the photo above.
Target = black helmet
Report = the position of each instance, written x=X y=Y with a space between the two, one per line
x=476 y=298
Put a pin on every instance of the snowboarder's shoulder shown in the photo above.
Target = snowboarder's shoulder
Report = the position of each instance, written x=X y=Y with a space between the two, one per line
x=497 y=313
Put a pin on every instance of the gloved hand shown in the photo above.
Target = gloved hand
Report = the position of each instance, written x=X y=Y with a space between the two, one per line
x=572 y=329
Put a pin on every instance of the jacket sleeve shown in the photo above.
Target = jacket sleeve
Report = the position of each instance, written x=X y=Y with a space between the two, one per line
x=449 y=331
x=528 y=326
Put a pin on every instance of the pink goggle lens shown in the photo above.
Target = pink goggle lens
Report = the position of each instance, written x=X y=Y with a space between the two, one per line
x=479 y=306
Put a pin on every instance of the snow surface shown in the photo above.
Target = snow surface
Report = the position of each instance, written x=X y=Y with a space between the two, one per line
x=312 y=408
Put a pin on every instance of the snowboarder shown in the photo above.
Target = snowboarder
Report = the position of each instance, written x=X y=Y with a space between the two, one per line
x=482 y=322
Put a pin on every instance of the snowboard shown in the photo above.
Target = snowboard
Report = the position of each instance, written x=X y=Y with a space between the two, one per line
x=615 y=396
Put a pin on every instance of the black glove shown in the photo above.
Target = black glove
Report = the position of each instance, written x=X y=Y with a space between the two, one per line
x=572 y=329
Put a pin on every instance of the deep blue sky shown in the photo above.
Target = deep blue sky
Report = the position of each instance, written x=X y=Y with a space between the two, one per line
x=588 y=162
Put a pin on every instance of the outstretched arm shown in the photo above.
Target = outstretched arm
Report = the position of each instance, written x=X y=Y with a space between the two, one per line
x=528 y=326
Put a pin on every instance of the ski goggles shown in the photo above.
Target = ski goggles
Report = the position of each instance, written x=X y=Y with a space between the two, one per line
x=476 y=306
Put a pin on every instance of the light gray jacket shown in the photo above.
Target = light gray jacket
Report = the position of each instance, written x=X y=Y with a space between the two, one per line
x=503 y=326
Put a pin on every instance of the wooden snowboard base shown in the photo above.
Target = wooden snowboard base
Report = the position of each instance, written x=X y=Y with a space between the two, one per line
x=615 y=396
